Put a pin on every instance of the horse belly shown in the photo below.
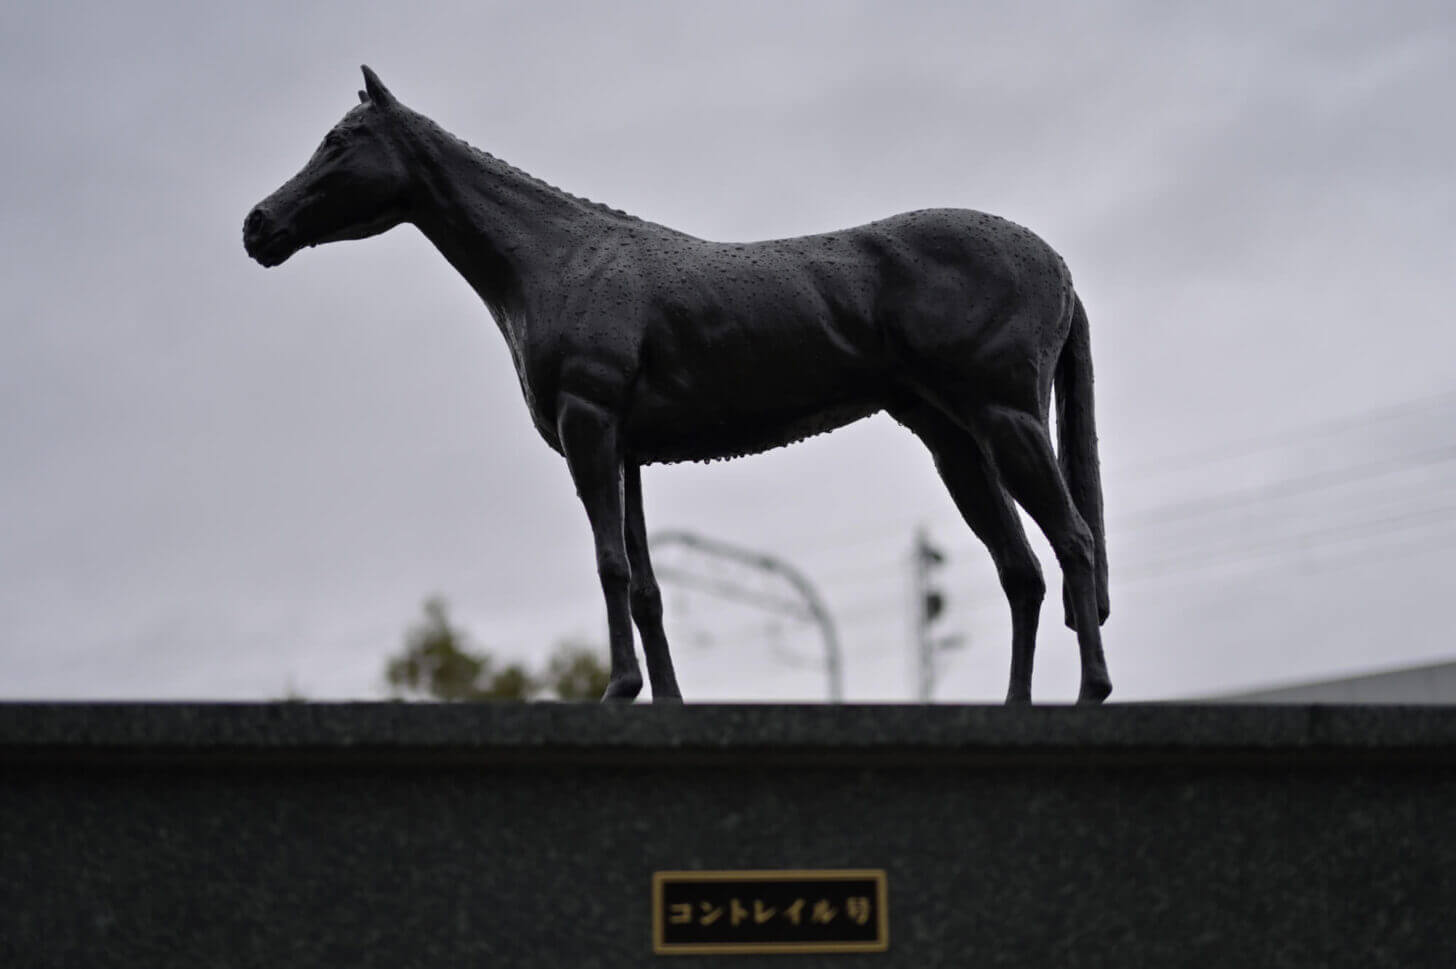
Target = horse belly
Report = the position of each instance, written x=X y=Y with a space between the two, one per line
x=663 y=436
x=737 y=402
x=754 y=347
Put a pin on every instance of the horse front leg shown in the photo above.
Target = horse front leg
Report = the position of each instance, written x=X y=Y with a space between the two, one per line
x=646 y=596
x=591 y=440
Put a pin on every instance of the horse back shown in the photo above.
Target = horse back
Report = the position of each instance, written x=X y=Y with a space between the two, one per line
x=733 y=348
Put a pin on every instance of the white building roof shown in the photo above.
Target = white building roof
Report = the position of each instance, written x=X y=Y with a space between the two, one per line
x=1433 y=683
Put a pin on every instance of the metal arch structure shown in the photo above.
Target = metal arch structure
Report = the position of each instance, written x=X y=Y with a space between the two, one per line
x=811 y=607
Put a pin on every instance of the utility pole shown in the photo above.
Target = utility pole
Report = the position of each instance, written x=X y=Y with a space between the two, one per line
x=809 y=606
x=928 y=603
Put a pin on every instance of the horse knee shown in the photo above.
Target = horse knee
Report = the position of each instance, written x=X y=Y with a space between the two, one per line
x=1076 y=550
x=1104 y=608
x=613 y=568
x=1078 y=556
x=1024 y=586
x=646 y=602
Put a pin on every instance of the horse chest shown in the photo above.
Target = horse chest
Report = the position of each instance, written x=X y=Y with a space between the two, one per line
x=537 y=380
x=553 y=360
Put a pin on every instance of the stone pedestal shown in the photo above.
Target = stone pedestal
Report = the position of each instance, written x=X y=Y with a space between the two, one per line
x=396 y=835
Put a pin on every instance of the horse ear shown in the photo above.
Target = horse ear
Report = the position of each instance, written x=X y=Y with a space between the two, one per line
x=375 y=88
x=363 y=98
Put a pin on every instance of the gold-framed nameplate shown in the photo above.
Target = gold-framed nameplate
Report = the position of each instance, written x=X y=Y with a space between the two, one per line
x=741 y=912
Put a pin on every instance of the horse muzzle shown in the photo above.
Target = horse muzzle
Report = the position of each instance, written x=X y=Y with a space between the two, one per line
x=268 y=244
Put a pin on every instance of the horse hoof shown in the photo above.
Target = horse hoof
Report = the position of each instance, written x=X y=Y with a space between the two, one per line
x=1094 y=692
x=1018 y=699
x=623 y=687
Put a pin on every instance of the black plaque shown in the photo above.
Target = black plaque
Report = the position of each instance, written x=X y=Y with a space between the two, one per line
x=708 y=912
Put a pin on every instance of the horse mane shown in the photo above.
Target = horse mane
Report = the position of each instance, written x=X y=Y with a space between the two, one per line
x=492 y=162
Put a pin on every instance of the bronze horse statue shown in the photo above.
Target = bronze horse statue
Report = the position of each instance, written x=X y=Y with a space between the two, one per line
x=635 y=344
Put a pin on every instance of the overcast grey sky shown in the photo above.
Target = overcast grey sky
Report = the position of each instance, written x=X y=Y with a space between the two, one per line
x=218 y=481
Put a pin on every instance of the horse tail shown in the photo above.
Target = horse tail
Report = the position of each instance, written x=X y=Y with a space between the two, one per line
x=1077 y=445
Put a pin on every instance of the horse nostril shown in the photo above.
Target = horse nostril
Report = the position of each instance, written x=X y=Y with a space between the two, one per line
x=253 y=222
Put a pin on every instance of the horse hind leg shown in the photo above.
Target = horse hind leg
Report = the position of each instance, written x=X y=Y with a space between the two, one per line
x=1020 y=445
x=988 y=511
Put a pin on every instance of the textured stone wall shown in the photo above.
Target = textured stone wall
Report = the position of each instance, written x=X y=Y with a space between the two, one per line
x=512 y=835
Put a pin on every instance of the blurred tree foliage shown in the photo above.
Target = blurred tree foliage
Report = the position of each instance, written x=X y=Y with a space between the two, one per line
x=439 y=663
x=575 y=673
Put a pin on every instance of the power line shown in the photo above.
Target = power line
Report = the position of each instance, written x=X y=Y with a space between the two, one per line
x=1203 y=557
x=1197 y=558
x=1263 y=442
x=1303 y=541
x=865 y=532
x=1356 y=555
x=1281 y=489
x=1311 y=541
x=1350 y=557
x=888 y=613
x=1216 y=536
x=1214 y=505
x=1287 y=487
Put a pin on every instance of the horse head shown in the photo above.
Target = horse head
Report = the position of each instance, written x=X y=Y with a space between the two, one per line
x=356 y=184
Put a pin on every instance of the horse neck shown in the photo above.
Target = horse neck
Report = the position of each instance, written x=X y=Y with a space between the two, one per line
x=502 y=230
